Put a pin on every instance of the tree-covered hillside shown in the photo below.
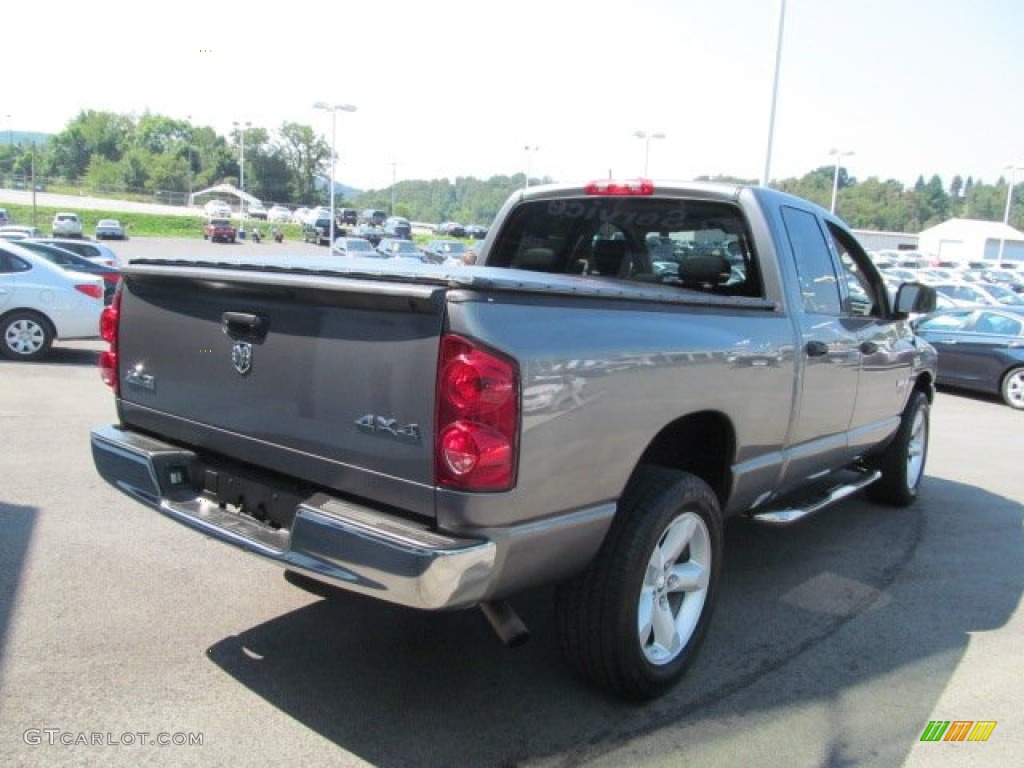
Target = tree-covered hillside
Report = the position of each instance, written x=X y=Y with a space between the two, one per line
x=162 y=159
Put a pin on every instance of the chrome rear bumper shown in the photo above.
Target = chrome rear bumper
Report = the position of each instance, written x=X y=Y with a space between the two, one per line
x=349 y=545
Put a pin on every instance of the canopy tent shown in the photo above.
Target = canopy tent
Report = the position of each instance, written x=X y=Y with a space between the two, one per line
x=221 y=190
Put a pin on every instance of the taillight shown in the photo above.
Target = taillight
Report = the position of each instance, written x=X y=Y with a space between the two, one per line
x=109 y=328
x=609 y=187
x=93 y=291
x=476 y=443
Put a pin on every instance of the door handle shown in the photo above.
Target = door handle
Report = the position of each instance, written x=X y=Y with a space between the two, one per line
x=243 y=326
x=816 y=349
x=868 y=348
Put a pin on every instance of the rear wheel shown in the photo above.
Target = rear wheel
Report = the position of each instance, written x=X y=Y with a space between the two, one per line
x=25 y=335
x=902 y=462
x=633 y=621
x=1012 y=388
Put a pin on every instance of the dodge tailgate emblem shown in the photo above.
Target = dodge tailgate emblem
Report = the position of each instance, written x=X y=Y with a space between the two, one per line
x=241 y=356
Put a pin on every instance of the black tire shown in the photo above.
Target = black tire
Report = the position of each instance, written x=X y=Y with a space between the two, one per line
x=602 y=630
x=1012 y=388
x=25 y=335
x=903 y=460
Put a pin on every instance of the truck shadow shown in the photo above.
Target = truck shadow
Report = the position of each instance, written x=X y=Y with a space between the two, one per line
x=18 y=523
x=857 y=585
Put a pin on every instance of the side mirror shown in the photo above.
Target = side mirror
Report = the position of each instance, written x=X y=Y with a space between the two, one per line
x=914 y=298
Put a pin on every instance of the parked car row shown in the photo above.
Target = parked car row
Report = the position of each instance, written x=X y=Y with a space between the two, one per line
x=317 y=229
x=65 y=225
x=978 y=326
x=454 y=229
x=448 y=252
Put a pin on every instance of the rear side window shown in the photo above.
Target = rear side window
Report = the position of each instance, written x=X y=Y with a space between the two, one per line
x=691 y=244
x=819 y=284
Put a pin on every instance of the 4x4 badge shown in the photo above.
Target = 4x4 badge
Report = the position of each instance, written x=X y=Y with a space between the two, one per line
x=241 y=357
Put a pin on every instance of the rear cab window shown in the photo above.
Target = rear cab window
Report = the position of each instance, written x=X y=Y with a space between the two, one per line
x=690 y=244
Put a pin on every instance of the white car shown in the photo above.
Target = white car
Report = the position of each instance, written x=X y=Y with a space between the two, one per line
x=93 y=250
x=67 y=225
x=279 y=213
x=19 y=231
x=40 y=302
x=217 y=209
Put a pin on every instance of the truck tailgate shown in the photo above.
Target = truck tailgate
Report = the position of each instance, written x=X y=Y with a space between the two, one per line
x=322 y=378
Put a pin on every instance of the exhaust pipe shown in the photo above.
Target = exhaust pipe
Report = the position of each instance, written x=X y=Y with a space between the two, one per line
x=505 y=622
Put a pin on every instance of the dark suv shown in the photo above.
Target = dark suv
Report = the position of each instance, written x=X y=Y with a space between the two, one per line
x=396 y=226
x=319 y=230
x=373 y=217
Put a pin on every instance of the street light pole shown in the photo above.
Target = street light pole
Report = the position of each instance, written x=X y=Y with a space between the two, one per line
x=333 y=109
x=241 y=163
x=1009 y=202
x=839 y=154
x=775 y=95
x=647 y=136
x=188 y=201
x=394 y=174
x=528 y=149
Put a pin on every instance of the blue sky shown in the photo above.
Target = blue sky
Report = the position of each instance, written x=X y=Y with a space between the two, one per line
x=454 y=87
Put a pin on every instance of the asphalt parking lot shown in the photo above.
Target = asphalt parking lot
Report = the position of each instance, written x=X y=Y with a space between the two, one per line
x=836 y=641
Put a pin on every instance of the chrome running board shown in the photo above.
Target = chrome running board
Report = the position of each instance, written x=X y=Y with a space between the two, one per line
x=825 y=497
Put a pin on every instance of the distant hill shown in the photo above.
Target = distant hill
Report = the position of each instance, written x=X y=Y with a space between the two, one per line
x=23 y=137
x=340 y=190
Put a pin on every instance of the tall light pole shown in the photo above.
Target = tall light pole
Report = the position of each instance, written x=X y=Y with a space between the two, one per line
x=529 y=149
x=839 y=155
x=188 y=201
x=647 y=136
x=394 y=174
x=1009 y=202
x=775 y=95
x=241 y=162
x=333 y=109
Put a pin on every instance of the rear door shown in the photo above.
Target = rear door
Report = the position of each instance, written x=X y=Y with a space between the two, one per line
x=828 y=352
x=329 y=380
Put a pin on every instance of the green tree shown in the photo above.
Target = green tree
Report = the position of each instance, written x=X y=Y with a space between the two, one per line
x=90 y=133
x=308 y=156
x=104 y=175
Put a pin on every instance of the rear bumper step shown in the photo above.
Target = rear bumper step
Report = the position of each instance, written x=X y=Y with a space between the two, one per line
x=352 y=546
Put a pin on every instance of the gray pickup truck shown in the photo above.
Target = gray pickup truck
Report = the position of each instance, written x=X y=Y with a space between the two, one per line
x=627 y=365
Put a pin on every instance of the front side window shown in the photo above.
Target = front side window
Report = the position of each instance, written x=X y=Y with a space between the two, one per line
x=864 y=295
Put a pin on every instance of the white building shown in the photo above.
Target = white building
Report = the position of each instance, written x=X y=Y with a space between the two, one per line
x=965 y=240
x=875 y=240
